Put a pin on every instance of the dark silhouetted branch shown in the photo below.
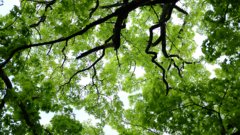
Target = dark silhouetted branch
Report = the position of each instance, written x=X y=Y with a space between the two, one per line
x=95 y=50
x=85 y=69
x=154 y=57
x=180 y=10
x=64 y=54
x=8 y=84
x=41 y=20
x=94 y=9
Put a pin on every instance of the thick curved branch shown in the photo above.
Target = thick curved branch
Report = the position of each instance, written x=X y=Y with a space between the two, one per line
x=117 y=29
x=8 y=84
x=165 y=16
x=154 y=57
x=27 y=119
x=5 y=79
x=163 y=34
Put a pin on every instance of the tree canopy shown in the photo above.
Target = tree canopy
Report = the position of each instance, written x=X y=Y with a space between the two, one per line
x=49 y=48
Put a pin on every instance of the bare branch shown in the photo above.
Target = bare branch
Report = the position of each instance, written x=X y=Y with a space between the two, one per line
x=178 y=69
x=154 y=57
x=180 y=10
x=94 y=50
x=65 y=57
x=40 y=37
x=85 y=69
x=50 y=48
x=93 y=82
x=119 y=64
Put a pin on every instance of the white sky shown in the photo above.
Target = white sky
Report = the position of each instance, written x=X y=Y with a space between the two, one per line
x=8 y=5
x=81 y=115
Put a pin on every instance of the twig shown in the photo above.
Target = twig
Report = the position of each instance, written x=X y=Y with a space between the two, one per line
x=94 y=9
x=50 y=48
x=65 y=57
x=93 y=83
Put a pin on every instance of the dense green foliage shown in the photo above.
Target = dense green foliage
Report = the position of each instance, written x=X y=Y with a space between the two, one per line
x=61 y=55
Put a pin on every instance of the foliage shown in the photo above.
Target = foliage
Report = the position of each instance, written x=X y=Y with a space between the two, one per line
x=65 y=125
x=49 y=49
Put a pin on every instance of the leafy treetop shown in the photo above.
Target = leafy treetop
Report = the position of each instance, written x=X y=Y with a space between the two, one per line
x=48 y=48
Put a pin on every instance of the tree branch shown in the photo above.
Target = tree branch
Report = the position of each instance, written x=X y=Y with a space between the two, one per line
x=8 y=84
x=180 y=10
x=123 y=9
x=154 y=57
x=94 y=9
x=107 y=45
x=85 y=69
